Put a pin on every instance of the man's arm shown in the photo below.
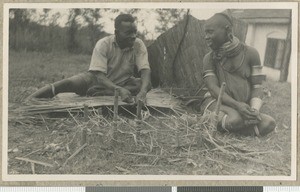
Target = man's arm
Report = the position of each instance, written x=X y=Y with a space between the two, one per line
x=146 y=84
x=146 y=80
x=256 y=79
x=107 y=83
x=144 y=68
x=211 y=81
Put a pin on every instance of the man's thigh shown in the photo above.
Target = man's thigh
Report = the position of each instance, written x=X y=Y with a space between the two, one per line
x=229 y=119
x=82 y=82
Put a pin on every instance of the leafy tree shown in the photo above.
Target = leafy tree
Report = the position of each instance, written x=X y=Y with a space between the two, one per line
x=92 y=17
x=72 y=30
x=18 y=21
x=46 y=18
x=168 y=18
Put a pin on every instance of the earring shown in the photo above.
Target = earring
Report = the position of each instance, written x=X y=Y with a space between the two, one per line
x=230 y=36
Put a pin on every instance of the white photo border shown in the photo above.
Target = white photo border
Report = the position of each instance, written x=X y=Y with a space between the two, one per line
x=213 y=5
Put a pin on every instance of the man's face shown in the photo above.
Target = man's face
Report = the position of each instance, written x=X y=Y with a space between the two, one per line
x=126 y=34
x=215 y=35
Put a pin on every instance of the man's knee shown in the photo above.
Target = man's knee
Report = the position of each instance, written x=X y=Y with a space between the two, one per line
x=230 y=122
x=74 y=84
x=266 y=125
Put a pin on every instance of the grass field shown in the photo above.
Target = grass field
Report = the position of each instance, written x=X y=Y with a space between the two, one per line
x=135 y=149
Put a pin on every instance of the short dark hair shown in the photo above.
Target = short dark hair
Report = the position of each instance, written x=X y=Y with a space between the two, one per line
x=123 y=18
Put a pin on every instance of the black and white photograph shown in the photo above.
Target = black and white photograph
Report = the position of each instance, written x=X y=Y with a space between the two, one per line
x=164 y=91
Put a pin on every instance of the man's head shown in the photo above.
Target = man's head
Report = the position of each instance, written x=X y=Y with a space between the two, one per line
x=218 y=30
x=125 y=30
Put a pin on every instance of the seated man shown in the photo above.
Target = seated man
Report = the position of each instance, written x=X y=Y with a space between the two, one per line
x=238 y=65
x=112 y=66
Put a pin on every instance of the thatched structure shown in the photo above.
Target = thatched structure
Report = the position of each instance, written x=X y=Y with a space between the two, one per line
x=176 y=56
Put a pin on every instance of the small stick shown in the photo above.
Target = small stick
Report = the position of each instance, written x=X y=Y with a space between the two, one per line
x=34 y=161
x=219 y=102
x=74 y=154
x=116 y=100
x=122 y=169
x=142 y=120
x=139 y=110
x=83 y=130
x=83 y=136
x=86 y=112
x=141 y=154
x=32 y=168
x=32 y=152
x=44 y=122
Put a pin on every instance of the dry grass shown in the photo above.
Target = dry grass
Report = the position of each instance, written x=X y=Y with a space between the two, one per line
x=164 y=142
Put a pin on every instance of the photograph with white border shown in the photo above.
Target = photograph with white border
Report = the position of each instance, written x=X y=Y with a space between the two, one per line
x=149 y=91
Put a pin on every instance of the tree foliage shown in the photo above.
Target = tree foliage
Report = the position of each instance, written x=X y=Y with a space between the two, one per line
x=40 y=30
x=168 y=18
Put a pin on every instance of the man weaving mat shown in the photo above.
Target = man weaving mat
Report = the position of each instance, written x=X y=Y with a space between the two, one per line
x=238 y=65
x=112 y=67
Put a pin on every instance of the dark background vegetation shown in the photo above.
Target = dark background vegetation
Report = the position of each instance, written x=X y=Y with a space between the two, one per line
x=80 y=33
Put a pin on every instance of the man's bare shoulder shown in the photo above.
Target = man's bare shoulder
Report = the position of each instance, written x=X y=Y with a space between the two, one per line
x=251 y=51
x=252 y=56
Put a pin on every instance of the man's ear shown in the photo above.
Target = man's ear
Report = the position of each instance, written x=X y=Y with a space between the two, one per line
x=229 y=32
x=228 y=28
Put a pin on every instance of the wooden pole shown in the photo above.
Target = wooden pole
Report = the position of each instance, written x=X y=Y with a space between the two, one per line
x=116 y=104
x=84 y=131
x=86 y=113
x=74 y=154
x=139 y=109
x=219 y=102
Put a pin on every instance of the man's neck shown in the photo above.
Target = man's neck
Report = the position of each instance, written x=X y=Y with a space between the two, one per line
x=121 y=45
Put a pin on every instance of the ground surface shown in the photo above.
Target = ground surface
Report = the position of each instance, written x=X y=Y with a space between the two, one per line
x=166 y=143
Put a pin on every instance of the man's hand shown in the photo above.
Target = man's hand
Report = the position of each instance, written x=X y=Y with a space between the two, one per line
x=141 y=96
x=125 y=95
x=256 y=113
x=247 y=112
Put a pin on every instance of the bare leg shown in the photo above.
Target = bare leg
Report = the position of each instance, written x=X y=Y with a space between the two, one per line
x=229 y=120
x=75 y=84
x=266 y=125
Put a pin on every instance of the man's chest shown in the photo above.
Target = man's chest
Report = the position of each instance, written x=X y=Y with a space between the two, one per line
x=116 y=57
x=238 y=65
